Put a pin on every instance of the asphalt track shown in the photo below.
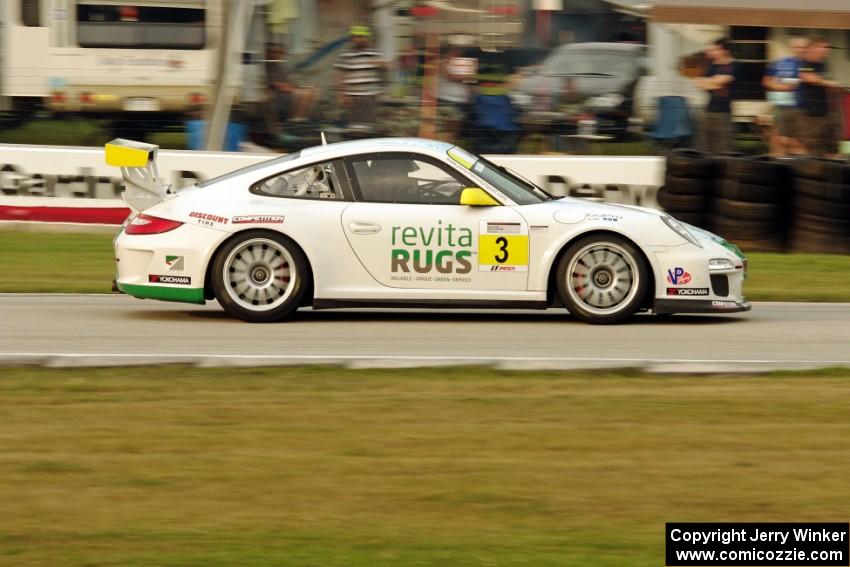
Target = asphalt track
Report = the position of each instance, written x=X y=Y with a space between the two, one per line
x=97 y=330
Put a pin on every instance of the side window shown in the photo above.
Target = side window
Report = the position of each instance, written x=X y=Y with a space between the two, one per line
x=406 y=179
x=317 y=181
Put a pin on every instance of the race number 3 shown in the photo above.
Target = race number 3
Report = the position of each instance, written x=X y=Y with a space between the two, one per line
x=503 y=247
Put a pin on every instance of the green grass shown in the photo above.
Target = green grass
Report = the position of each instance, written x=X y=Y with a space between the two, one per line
x=39 y=262
x=71 y=131
x=56 y=262
x=57 y=131
x=324 y=467
x=798 y=277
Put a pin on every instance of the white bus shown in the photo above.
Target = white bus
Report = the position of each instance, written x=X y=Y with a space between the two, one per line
x=108 y=57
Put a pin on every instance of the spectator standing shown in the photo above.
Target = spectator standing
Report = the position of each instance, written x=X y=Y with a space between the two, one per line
x=818 y=136
x=493 y=123
x=290 y=101
x=782 y=83
x=719 y=82
x=452 y=95
x=360 y=78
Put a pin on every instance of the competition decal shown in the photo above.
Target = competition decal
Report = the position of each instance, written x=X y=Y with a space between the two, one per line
x=175 y=280
x=502 y=247
x=258 y=219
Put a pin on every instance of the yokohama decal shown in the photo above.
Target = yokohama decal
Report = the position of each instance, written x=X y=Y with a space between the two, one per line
x=175 y=280
x=687 y=291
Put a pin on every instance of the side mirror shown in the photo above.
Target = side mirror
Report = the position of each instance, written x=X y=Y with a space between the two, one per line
x=477 y=197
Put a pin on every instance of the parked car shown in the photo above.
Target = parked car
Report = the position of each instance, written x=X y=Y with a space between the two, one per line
x=589 y=82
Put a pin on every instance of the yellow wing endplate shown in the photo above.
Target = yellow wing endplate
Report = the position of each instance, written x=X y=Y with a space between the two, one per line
x=127 y=153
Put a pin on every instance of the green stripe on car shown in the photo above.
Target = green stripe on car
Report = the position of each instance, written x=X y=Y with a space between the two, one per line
x=183 y=295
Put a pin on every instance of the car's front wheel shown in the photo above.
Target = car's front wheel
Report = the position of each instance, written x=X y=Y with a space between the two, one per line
x=602 y=279
x=260 y=276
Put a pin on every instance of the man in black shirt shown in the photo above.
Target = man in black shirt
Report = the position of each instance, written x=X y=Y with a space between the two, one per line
x=719 y=81
x=819 y=132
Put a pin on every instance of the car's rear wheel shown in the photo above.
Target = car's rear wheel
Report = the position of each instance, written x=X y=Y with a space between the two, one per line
x=260 y=276
x=602 y=279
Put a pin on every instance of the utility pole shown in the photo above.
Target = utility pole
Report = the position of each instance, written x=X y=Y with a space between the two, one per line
x=235 y=18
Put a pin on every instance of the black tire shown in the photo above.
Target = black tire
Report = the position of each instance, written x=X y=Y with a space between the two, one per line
x=757 y=170
x=821 y=224
x=687 y=185
x=815 y=243
x=823 y=190
x=731 y=189
x=821 y=207
x=674 y=203
x=823 y=169
x=735 y=230
x=690 y=163
x=746 y=211
x=297 y=282
x=620 y=252
x=772 y=244
x=722 y=158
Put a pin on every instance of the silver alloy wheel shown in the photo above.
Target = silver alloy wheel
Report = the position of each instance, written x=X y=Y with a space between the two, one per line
x=259 y=274
x=602 y=277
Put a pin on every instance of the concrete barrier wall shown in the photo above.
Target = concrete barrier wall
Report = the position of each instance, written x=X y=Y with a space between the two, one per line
x=61 y=184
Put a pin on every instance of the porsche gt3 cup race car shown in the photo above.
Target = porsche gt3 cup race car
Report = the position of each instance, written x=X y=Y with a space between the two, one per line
x=402 y=222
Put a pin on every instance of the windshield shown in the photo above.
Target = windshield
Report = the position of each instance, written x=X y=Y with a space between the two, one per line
x=595 y=63
x=521 y=191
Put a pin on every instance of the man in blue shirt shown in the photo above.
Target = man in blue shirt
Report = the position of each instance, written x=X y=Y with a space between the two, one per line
x=782 y=80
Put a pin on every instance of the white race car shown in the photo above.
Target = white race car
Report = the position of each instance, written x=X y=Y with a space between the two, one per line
x=402 y=222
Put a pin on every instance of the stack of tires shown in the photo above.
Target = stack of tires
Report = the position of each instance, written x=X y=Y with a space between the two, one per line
x=752 y=202
x=687 y=189
x=821 y=206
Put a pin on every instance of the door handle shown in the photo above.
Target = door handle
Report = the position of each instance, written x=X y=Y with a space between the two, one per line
x=360 y=227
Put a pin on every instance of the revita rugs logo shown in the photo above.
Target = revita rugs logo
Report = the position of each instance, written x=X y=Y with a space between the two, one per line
x=443 y=248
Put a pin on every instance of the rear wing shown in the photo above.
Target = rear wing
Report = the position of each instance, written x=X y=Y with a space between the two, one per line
x=143 y=186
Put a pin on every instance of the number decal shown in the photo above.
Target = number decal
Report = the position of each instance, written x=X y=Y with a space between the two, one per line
x=502 y=246
x=502 y=257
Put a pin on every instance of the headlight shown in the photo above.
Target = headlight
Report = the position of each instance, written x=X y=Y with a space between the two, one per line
x=680 y=229
x=610 y=100
x=720 y=265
